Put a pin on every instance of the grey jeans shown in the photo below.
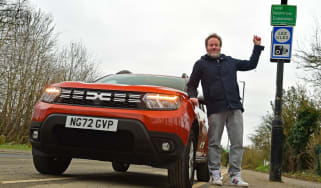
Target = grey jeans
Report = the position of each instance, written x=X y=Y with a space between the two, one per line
x=233 y=119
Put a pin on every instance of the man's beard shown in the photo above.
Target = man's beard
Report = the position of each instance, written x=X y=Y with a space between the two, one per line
x=214 y=55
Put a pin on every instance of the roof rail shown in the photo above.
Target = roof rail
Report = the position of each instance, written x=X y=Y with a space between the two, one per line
x=124 y=72
x=184 y=75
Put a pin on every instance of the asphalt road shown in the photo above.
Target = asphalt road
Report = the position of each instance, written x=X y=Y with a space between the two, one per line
x=16 y=170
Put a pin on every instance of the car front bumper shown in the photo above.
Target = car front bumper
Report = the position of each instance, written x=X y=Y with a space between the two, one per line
x=132 y=142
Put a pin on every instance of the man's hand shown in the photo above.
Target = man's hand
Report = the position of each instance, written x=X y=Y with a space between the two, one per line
x=194 y=101
x=257 y=40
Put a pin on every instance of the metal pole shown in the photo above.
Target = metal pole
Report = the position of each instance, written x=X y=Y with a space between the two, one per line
x=277 y=124
x=277 y=129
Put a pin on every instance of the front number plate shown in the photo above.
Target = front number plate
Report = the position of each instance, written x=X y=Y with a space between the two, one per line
x=81 y=122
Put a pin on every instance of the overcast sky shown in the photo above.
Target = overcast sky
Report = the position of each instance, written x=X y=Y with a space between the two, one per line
x=167 y=37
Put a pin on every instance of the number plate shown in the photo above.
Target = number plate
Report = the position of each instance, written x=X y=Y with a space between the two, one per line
x=82 y=122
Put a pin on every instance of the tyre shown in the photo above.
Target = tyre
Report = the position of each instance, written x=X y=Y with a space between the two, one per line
x=202 y=172
x=120 y=166
x=51 y=165
x=182 y=176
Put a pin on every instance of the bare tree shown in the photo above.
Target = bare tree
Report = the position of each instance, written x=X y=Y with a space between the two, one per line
x=29 y=61
x=76 y=64
x=24 y=63
x=310 y=59
x=10 y=16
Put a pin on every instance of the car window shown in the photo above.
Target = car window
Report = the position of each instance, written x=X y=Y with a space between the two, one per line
x=152 y=80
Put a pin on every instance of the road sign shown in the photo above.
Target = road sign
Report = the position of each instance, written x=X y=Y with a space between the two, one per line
x=281 y=44
x=283 y=15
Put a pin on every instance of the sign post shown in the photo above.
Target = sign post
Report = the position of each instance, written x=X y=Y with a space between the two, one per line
x=282 y=16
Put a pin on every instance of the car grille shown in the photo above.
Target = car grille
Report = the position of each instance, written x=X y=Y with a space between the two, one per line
x=101 y=98
x=120 y=141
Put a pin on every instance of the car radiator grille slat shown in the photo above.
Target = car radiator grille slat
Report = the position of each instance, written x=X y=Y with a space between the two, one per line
x=101 y=98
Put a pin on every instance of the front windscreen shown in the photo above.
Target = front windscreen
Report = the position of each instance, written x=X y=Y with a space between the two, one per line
x=152 y=80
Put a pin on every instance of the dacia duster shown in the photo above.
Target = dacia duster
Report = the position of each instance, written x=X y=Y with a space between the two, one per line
x=123 y=118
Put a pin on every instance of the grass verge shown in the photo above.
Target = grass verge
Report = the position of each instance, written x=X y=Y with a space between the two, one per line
x=262 y=168
x=23 y=147
x=304 y=175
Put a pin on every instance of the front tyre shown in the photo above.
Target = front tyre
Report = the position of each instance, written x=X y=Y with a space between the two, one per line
x=51 y=165
x=182 y=176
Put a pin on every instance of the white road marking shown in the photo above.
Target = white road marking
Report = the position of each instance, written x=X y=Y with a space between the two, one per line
x=36 y=180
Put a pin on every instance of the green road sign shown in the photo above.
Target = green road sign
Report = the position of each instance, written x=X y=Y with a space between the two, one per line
x=284 y=15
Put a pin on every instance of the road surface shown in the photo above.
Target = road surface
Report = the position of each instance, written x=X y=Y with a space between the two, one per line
x=17 y=171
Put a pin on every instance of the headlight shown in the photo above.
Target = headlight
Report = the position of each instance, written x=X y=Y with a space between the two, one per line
x=157 y=101
x=50 y=94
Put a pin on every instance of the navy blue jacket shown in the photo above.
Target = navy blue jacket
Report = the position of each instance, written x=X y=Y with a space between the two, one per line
x=219 y=80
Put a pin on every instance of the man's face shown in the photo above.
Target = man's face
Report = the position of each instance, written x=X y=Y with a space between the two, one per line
x=213 y=47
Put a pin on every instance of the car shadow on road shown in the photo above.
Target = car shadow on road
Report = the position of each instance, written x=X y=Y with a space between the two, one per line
x=138 y=179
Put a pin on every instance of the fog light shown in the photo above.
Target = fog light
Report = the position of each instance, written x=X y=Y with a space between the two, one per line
x=35 y=134
x=166 y=146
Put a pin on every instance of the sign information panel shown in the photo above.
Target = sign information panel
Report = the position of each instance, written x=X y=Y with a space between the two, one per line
x=281 y=47
x=283 y=15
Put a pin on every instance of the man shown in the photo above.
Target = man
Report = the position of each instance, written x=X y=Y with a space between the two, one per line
x=218 y=76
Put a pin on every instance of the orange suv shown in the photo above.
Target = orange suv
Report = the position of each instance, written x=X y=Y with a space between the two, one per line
x=122 y=118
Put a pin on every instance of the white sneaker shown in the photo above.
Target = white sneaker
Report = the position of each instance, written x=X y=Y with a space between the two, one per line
x=238 y=181
x=216 y=180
